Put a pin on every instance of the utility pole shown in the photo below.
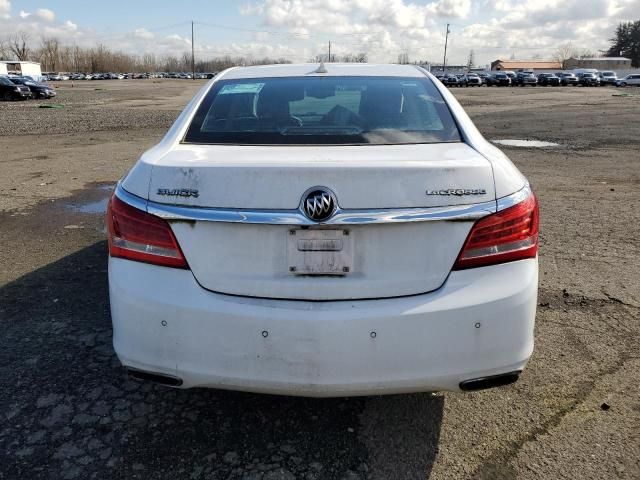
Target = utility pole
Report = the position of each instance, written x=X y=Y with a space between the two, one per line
x=329 y=59
x=193 y=56
x=446 y=39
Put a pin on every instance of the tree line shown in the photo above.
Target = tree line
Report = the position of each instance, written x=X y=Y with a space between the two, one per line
x=54 y=56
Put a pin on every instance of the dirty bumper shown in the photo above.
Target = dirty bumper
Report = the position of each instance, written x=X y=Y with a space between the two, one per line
x=479 y=323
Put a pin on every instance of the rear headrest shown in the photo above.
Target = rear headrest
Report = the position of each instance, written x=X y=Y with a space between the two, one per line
x=233 y=105
x=378 y=103
x=272 y=102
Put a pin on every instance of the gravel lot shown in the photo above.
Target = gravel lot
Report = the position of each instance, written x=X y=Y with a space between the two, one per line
x=68 y=411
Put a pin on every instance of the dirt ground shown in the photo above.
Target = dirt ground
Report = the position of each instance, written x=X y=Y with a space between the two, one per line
x=68 y=411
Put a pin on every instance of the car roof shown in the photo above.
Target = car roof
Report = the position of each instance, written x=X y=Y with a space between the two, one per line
x=332 y=69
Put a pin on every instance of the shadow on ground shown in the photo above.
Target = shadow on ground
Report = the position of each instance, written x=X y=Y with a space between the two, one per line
x=70 y=411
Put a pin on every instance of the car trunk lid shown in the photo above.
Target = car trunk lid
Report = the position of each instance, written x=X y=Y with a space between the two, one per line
x=327 y=261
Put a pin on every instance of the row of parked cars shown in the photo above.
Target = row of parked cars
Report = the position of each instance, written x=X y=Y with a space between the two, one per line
x=24 y=88
x=15 y=87
x=529 y=78
x=56 y=77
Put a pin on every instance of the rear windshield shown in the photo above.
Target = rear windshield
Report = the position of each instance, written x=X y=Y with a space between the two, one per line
x=323 y=110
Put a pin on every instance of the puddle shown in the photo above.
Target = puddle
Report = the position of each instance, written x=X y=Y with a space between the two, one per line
x=93 y=207
x=526 y=143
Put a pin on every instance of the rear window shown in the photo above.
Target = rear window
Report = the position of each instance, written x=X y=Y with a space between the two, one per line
x=323 y=110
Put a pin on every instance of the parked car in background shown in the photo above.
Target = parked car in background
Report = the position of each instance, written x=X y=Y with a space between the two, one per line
x=327 y=278
x=567 y=78
x=633 y=79
x=462 y=80
x=588 y=79
x=39 y=90
x=483 y=77
x=548 y=79
x=512 y=76
x=499 y=79
x=526 y=78
x=473 y=80
x=450 y=80
x=608 y=78
x=12 y=91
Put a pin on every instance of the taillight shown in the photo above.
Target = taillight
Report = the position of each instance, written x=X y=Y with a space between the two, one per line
x=140 y=236
x=511 y=234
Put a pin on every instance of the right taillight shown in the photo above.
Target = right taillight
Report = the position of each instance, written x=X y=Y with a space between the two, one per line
x=505 y=236
x=137 y=235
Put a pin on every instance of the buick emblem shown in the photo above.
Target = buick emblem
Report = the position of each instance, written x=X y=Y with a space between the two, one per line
x=318 y=204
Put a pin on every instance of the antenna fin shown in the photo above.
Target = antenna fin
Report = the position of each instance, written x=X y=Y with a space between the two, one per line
x=321 y=68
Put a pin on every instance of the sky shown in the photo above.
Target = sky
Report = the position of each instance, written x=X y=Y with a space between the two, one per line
x=300 y=29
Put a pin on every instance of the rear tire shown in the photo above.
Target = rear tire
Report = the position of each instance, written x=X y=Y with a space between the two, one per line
x=7 y=97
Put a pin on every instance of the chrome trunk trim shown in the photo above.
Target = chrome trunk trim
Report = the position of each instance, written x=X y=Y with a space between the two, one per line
x=514 y=198
x=296 y=217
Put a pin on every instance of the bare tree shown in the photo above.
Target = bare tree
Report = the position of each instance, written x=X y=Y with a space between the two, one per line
x=403 y=58
x=19 y=45
x=149 y=62
x=4 y=48
x=50 y=53
x=471 y=60
x=584 y=53
x=353 y=58
x=563 y=53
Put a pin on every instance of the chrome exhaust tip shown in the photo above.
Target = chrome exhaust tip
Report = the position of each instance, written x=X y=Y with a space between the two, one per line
x=160 y=378
x=490 y=382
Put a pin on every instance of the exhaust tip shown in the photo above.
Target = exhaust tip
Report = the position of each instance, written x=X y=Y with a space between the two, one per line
x=490 y=382
x=160 y=378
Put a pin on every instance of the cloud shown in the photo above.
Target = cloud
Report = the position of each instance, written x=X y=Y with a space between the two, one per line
x=45 y=14
x=625 y=9
x=177 y=40
x=5 y=8
x=143 y=33
x=301 y=29
x=69 y=25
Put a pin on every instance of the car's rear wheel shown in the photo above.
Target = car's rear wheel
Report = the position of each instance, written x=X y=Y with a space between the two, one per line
x=7 y=97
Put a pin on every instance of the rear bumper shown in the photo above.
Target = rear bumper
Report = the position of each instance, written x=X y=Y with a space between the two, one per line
x=478 y=324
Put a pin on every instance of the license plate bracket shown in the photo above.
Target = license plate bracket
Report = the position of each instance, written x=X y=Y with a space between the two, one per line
x=320 y=251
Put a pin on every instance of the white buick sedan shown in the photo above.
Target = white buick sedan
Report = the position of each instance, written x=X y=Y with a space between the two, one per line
x=324 y=231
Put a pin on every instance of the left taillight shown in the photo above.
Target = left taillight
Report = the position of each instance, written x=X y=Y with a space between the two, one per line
x=137 y=235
